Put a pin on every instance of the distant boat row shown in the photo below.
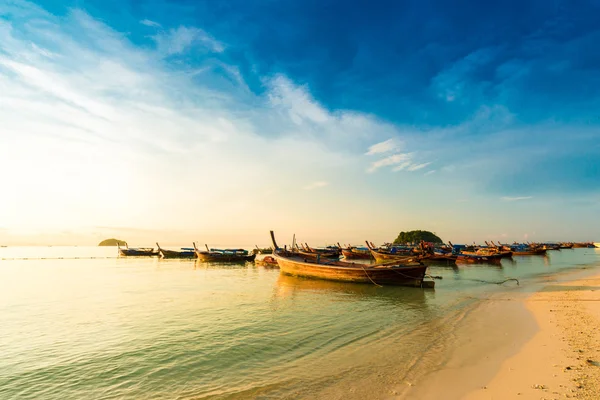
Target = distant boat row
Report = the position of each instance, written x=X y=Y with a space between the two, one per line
x=404 y=264
x=210 y=255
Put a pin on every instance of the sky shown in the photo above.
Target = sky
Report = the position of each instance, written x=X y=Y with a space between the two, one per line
x=179 y=121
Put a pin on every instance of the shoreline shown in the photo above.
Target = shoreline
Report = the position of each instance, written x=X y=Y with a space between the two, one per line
x=524 y=345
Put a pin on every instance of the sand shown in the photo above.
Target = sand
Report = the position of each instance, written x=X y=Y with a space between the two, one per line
x=540 y=346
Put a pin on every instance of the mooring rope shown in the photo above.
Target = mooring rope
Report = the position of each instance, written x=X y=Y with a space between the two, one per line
x=367 y=274
x=492 y=282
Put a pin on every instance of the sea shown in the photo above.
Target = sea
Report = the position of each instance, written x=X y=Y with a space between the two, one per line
x=82 y=323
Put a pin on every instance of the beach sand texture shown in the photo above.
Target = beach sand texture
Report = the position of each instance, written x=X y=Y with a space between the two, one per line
x=558 y=359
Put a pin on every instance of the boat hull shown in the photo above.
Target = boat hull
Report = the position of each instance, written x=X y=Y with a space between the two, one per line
x=137 y=253
x=382 y=275
x=439 y=259
x=176 y=254
x=229 y=258
x=353 y=255
x=384 y=257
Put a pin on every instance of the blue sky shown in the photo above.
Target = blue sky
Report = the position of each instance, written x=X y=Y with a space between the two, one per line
x=335 y=120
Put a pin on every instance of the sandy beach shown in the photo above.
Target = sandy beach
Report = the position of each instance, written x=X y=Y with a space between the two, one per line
x=544 y=345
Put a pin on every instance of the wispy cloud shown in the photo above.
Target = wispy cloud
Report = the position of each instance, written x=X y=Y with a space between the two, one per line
x=508 y=198
x=402 y=161
x=83 y=109
x=297 y=101
x=402 y=166
x=430 y=172
x=316 y=185
x=150 y=23
x=383 y=147
x=390 y=160
x=183 y=38
x=416 y=167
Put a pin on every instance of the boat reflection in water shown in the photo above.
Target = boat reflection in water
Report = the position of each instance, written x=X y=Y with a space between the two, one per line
x=290 y=287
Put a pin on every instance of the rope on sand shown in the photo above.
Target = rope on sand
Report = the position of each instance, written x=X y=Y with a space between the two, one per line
x=496 y=283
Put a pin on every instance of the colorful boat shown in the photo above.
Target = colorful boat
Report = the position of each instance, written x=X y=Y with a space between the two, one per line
x=528 y=251
x=393 y=254
x=403 y=273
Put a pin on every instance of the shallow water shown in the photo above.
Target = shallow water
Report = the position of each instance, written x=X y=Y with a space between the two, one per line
x=106 y=327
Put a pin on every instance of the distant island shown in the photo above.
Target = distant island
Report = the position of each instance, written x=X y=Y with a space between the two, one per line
x=112 y=242
x=416 y=237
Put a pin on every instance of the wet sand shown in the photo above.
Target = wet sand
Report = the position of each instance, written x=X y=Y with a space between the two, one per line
x=545 y=345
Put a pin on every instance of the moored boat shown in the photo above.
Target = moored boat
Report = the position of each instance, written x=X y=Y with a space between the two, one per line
x=136 y=251
x=393 y=254
x=308 y=251
x=404 y=273
x=528 y=251
x=265 y=250
x=583 y=245
x=226 y=255
x=185 y=252
x=356 y=253
x=439 y=258
x=478 y=259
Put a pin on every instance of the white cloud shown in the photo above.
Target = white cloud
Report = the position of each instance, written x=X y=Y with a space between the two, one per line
x=150 y=23
x=182 y=39
x=416 y=167
x=383 y=147
x=390 y=160
x=316 y=185
x=430 y=172
x=297 y=101
x=402 y=166
x=90 y=115
x=508 y=198
x=405 y=162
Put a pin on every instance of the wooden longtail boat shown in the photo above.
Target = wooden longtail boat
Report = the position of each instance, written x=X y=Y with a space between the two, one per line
x=489 y=252
x=404 y=273
x=265 y=250
x=583 y=245
x=307 y=251
x=183 y=253
x=227 y=255
x=136 y=251
x=330 y=252
x=354 y=253
x=381 y=256
x=439 y=258
x=530 y=252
